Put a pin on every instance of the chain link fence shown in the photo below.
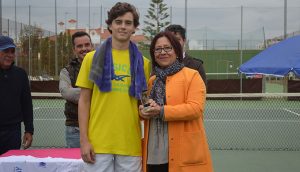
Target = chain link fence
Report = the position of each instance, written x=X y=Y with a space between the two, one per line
x=232 y=121
x=221 y=33
x=223 y=38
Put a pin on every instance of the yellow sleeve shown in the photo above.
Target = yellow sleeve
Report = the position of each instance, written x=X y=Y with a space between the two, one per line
x=147 y=68
x=83 y=76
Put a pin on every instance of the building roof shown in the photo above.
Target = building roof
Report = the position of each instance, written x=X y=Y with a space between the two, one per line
x=104 y=34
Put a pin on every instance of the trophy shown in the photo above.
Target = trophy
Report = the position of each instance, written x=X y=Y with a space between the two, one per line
x=145 y=101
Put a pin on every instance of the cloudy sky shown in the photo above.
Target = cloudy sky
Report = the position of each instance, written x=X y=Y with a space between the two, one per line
x=205 y=17
x=144 y=3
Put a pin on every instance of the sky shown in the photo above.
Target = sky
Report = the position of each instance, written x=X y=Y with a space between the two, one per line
x=144 y=3
x=205 y=18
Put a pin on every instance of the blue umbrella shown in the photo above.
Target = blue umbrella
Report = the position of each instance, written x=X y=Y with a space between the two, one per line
x=277 y=60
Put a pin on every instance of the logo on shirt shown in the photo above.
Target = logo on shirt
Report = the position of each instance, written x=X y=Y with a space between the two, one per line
x=120 y=77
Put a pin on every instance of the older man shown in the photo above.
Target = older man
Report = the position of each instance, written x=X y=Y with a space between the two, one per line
x=15 y=100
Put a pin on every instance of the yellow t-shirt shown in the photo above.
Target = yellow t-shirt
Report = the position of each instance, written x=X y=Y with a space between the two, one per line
x=114 y=125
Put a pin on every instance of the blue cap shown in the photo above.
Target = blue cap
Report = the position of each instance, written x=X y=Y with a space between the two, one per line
x=6 y=42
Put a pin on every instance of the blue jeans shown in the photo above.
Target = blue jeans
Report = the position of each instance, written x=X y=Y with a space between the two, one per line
x=72 y=137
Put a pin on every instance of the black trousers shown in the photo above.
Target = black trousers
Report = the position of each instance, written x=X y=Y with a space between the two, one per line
x=158 y=168
x=10 y=138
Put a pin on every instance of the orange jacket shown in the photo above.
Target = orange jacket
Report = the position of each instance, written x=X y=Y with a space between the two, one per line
x=188 y=148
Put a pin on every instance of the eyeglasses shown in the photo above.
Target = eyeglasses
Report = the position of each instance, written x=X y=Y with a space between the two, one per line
x=166 y=49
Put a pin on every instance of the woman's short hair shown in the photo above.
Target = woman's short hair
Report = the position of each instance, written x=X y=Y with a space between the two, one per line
x=174 y=43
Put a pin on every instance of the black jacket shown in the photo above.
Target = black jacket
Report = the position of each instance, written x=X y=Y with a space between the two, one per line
x=196 y=64
x=15 y=99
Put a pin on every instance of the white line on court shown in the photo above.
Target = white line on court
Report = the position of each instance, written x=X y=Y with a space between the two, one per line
x=48 y=119
x=246 y=120
x=47 y=108
x=291 y=112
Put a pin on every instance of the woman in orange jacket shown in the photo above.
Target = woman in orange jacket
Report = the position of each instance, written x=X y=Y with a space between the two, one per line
x=175 y=139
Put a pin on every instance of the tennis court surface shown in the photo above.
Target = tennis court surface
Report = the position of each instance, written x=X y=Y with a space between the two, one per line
x=262 y=134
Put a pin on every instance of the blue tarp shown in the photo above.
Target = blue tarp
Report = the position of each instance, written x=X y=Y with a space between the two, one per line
x=277 y=60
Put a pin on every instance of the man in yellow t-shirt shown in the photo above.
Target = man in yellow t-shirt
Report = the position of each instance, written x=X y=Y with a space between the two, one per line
x=112 y=79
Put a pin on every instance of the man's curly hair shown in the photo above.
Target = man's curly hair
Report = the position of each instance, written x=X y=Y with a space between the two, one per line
x=120 y=9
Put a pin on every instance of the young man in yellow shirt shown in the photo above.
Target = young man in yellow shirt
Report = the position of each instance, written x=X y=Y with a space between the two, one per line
x=112 y=79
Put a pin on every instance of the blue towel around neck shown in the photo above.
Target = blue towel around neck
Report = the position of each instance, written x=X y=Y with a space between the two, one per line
x=102 y=70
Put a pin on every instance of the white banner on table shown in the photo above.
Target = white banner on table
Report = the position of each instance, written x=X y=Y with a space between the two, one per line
x=31 y=164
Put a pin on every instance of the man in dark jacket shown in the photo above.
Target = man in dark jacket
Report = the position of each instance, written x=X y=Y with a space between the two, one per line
x=15 y=100
x=189 y=61
x=82 y=44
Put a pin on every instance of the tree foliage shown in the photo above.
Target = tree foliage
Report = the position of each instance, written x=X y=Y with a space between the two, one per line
x=156 y=18
x=41 y=52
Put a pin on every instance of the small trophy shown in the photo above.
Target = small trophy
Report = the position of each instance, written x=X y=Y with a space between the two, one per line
x=145 y=101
